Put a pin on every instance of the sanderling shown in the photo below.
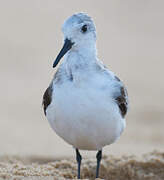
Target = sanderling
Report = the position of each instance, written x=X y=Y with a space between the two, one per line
x=85 y=103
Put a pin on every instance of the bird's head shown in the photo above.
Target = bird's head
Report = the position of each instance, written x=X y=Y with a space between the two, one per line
x=79 y=32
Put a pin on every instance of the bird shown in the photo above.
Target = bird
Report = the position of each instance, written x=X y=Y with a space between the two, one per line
x=85 y=103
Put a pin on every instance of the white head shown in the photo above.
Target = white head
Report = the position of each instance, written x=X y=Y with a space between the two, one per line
x=79 y=33
x=80 y=29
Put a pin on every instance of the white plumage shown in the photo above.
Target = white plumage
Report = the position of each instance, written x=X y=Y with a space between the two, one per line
x=85 y=103
x=83 y=111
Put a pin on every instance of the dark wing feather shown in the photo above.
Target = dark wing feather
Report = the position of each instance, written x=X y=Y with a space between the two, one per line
x=122 y=99
x=47 y=97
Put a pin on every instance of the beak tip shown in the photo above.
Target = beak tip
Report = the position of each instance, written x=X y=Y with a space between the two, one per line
x=54 y=65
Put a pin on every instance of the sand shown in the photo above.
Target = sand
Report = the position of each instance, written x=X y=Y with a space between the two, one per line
x=149 y=166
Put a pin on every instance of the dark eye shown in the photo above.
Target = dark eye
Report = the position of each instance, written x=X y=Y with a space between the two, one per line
x=84 y=28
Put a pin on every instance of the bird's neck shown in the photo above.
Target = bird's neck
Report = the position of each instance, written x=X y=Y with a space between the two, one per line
x=79 y=63
x=81 y=57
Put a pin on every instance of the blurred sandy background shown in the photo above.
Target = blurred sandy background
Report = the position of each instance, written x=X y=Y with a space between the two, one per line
x=130 y=41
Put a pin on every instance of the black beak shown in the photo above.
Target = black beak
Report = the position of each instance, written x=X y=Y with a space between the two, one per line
x=67 y=46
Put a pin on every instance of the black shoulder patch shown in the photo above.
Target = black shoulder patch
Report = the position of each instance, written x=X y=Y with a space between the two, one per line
x=122 y=101
x=47 y=98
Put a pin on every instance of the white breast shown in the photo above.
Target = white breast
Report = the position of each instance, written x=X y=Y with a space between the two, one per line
x=86 y=115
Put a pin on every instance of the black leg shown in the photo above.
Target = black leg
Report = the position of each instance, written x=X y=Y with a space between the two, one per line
x=78 y=158
x=98 y=156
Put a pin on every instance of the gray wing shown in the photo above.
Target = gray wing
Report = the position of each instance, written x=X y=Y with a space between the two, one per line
x=122 y=98
x=47 y=97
